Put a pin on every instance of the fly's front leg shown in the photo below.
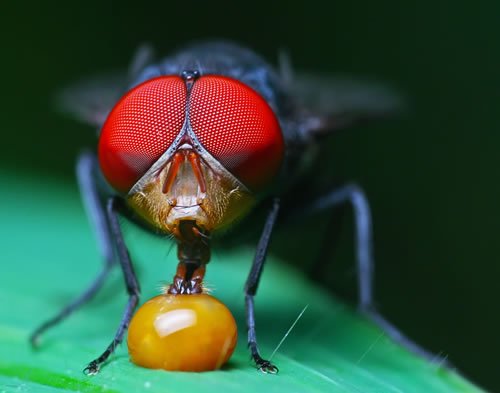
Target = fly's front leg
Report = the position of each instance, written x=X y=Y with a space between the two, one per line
x=251 y=286
x=87 y=170
x=114 y=207
x=354 y=195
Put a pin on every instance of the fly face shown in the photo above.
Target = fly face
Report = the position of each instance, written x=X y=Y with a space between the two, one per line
x=191 y=148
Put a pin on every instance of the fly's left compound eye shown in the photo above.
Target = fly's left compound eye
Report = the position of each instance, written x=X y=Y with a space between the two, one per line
x=140 y=128
x=237 y=127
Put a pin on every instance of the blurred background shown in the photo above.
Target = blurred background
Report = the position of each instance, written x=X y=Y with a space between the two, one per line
x=431 y=175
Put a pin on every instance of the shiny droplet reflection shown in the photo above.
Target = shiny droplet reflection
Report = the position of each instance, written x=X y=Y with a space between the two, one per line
x=182 y=333
x=173 y=321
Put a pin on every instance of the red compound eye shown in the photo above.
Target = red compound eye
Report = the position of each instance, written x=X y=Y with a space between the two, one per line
x=140 y=128
x=237 y=126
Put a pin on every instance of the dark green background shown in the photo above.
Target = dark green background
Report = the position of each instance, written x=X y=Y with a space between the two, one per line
x=431 y=175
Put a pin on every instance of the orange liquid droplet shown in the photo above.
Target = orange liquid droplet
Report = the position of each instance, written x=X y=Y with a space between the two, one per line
x=182 y=333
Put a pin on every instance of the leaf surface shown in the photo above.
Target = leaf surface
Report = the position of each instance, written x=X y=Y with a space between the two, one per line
x=49 y=255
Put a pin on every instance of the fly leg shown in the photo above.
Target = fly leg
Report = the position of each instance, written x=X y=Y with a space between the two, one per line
x=86 y=170
x=354 y=195
x=114 y=207
x=251 y=289
x=363 y=235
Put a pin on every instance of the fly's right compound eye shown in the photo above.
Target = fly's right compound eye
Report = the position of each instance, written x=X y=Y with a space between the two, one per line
x=238 y=128
x=140 y=128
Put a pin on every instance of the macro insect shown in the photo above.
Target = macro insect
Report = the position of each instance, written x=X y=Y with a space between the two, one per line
x=191 y=144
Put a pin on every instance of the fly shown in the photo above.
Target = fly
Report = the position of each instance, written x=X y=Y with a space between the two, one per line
x=199 y=140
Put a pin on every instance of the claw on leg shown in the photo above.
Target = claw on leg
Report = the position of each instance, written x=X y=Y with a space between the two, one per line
x=268 y=368
x=265 y=366
x=92 y=368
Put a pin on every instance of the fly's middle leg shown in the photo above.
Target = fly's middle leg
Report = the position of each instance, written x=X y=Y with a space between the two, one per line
x=87 y=170
x=363 y=237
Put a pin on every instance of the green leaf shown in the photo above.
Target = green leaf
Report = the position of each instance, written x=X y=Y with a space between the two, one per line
x=49 y=255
